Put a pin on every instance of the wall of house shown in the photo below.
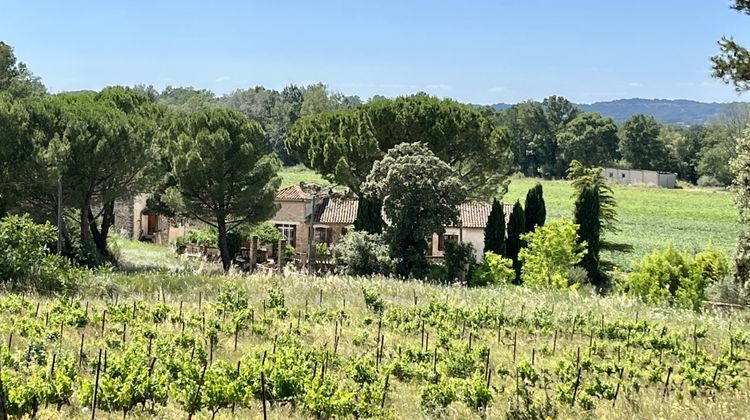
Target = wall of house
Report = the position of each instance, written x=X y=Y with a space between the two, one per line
x=637 y=177
x=293 y=213
x=474 y=236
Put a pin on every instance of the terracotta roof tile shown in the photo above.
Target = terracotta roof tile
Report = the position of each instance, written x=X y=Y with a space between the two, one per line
x=293 y=193
x=474 y=214
x=337 y=210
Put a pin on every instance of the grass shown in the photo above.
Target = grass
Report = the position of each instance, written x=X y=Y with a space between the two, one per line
x=649 y=218
x=335 y=306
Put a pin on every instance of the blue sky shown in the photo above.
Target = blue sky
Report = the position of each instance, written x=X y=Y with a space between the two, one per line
x=474 y=51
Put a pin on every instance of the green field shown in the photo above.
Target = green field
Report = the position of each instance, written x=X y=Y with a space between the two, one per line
x=649 y=217
x=430 y=344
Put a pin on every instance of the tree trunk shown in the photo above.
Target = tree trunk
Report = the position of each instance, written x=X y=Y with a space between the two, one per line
x=100 y=235
x=226 y=260
x=85 y=212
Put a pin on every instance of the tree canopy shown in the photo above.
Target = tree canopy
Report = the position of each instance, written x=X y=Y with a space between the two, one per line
x=224 y=175
x=420 y=195
x=640 y=144
x=344 y=145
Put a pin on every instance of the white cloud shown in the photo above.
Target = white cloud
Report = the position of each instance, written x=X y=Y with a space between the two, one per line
x=223 y=79
x=635 y=84
x=497 y=89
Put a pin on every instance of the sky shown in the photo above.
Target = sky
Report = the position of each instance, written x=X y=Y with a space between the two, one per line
x=480 y=52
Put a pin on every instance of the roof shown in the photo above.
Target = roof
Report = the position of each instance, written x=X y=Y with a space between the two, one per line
x=337 y=210
x=292 y=193
x=474 y=214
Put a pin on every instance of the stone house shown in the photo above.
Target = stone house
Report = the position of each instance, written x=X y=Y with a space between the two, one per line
x=135 y=220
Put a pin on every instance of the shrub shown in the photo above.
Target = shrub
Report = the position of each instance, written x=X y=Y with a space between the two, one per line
x=362 y=254
x=494 y=269
x=266 y=232
x=26 y=259
x=709 y=181
x=459 y=259
x=553 y=249
x=672 y=276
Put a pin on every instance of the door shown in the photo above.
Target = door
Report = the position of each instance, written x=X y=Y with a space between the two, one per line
x=153 y=222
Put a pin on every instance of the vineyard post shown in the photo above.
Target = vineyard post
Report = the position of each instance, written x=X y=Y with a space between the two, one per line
x=573 y=328
x=385 y=391
x=415 y=296
x=104 y=320
x=617 y=390
x=200 y=300
x=280 y=257
x=87 y=309
x=180 y=309
x=533 y=356
x=238 y=375
x=52 y=366
x=515 y=338
x=80 y=352
x=554 y=343
x=695 y=339
x=666 y=383
x=150 y=338
x=434 y=362
x=487 y=365
x=575 y=388
x=104 y=368
x=3 y=412
x=36 y=312
x=10 y=341
x=471 y=335
x=236 y=333
x=46 y=319
x=299 y=320
x=96 y=386
x=422 y=330
x=124 y=332
x=263 y=393
x=134 y=309
x=427 y=341
x=320 y=298
x=197 y=397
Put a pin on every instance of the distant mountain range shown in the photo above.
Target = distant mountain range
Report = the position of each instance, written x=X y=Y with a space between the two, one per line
x=678 y=111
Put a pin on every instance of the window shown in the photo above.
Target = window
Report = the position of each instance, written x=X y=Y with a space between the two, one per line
x=290 y=234
x=322 y=235
x=445 y=238
x=623 y=175
x=611 y=174
x=429 y=244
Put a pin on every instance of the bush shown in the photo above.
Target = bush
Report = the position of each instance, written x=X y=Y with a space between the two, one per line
x=266 y=232
x=26 y=260
x=459 y=260
x=672 y=276
x=494 y=269
x=362 y=254
x=709 y=181
x=553 y=249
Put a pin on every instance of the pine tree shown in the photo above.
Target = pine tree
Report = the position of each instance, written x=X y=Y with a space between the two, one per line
x=741 y=169
x=494 y=232
x=589 y=231
x=535 y=209
x=369 y=218
x=513 y=244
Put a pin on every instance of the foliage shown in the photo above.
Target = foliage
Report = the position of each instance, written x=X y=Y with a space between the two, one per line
x=344 y=145
x=459 y=259
x=586 y=216
x=514 y=242
x=732 y=65
x=494 y=231
x=589 y=138
x=420 y=195
x=224 y=176
x=672 y=276
x=494 y=269
x=535 y=210
x=741 y=168
x=266 y=232
x=640 y=144
x=369 y=218
x=552 y=250
x=15 y=77
x=26 y=261
x=362 y=254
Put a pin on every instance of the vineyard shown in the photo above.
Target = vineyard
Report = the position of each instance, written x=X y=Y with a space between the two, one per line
x=182 y=346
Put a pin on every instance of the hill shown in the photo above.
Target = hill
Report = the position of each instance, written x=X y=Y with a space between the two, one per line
x=666 y=111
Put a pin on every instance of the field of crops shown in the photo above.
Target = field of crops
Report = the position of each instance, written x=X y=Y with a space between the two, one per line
x=168 y=344
x=649 y=217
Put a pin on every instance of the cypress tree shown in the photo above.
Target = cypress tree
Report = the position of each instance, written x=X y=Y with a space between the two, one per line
x=587 y=208
x=513 y=244
x=535 y=208
x=369 y=218
x=494 y=232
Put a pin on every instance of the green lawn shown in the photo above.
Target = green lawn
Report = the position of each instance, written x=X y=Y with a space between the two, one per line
x=649 y=217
